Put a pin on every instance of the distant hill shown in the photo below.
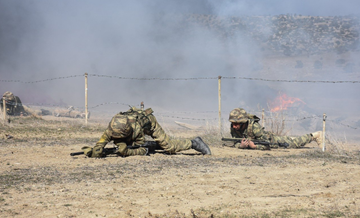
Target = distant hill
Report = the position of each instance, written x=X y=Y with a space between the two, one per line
x=290 y=35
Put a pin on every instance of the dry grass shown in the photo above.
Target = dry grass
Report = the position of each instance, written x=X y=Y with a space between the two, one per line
x=39 y=137
x=276 y=123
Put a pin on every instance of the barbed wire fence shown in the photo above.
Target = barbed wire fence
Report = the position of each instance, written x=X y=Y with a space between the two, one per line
x=176 y=79
x=175 y=114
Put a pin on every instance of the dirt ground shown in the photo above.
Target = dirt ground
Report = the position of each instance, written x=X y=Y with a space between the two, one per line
x=38 y=177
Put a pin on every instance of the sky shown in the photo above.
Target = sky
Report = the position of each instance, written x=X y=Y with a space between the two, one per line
x=46 y=39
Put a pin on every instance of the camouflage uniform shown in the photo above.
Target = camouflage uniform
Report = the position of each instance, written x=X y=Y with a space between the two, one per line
x=14 y=106
x=255 y=131
x=139 y=123
x=70 y=112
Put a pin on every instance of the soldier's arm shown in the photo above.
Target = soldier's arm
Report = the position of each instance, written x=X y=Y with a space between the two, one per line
x=104 y=139
x=260 y=134
x=138 y=136
x=139 y=139
x=245 y=144
x=124 y=151
x=252 y=145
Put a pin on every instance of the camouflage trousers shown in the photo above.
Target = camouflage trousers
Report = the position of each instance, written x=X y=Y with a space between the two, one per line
x=169 y=144
x=294 y=142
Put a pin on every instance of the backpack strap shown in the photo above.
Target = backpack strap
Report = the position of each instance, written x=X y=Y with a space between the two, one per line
x=250 y=132
x=253 y=119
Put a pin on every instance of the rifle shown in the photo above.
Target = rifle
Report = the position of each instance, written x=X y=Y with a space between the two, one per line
x=257 y=142
x=106 y=151
x=151 y=145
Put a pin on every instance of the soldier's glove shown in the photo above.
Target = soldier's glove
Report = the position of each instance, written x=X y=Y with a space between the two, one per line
x=97 y=151
x=87 y=151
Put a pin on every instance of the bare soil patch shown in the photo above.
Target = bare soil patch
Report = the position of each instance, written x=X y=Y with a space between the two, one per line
x=38 y=178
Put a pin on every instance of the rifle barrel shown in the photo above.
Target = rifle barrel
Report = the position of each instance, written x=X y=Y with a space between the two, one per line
x=231 y=139
x=76 y=153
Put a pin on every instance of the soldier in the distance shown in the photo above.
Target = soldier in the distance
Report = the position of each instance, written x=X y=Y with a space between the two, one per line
x=13 y=104
x=70 y=112
x=246 y=126
x=129 y=129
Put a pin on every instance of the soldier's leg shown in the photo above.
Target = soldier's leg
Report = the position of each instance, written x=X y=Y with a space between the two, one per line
x=170 y=145
x=177 y=145
x=294 y=142
x=317 y=137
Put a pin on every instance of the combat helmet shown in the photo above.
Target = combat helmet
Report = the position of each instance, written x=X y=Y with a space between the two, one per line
x=238 y=115
x=9 y=96
x=119 y=126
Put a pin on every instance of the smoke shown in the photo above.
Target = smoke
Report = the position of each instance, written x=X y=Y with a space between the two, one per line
x=152 y=39
x=276 y=7
x=143 y=39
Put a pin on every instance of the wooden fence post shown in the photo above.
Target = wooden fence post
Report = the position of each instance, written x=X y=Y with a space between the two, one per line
x=323 y=139
x=4 y=109
x=219 y=92
x=86 y=98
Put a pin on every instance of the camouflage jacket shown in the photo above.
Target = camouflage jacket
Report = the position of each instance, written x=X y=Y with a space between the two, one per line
x=253 y=131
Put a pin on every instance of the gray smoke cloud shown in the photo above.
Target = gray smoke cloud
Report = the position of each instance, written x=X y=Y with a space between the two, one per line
x=150 y=39
x=137 y=39
x=275 y=7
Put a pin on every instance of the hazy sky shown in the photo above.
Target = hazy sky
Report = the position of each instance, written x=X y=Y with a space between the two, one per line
x=42 y=39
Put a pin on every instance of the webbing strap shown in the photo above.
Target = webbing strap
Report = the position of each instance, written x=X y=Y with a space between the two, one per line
x=250 y=129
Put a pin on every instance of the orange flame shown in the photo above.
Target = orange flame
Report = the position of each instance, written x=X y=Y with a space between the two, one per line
x=282 y=102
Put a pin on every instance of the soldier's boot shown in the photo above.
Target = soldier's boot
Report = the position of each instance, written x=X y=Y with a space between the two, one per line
x=199 y=145
x=318 y=137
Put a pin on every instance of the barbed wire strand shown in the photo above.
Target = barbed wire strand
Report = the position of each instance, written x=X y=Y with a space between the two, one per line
x=107 y=103
x=44 y=80
x=153 y=78
x=291 y=81
x=177 y=79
